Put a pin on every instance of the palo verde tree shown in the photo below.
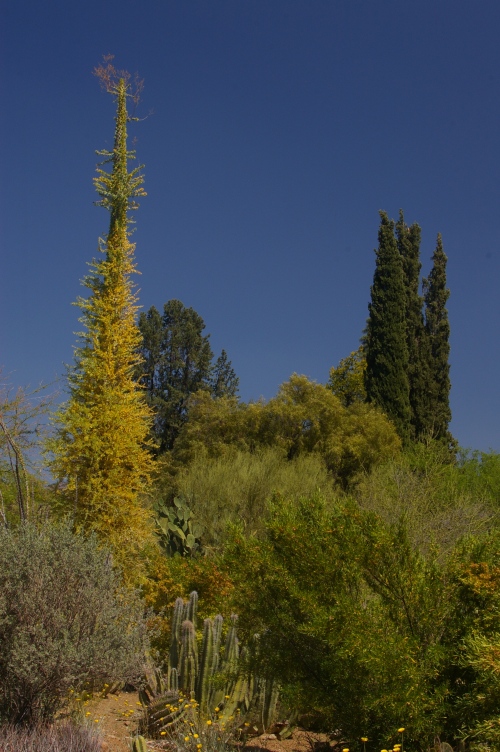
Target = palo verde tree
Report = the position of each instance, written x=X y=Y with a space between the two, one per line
x=386 y=374
x=99 y=452
x=438 y=332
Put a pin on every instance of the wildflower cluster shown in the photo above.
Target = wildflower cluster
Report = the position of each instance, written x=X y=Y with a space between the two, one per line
x=196 y=733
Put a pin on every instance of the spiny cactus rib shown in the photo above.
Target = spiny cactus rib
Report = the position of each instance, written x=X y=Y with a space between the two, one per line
x=192 y=608
x=269 y=702
x=173 y=680
x=160 y=715
x=205 y=673
x=139 y=744
x=177 y=619
x=189 y=658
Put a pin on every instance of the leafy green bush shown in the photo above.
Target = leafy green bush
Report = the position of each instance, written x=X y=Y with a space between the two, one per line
x=65 y=621
x=304 y=417
x=441 y=500
x=366 y=630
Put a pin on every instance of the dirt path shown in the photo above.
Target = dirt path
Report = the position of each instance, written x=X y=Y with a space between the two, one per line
x=117 y=715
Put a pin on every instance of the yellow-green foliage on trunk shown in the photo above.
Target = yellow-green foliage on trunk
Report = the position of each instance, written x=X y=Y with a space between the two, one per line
x=100 y=450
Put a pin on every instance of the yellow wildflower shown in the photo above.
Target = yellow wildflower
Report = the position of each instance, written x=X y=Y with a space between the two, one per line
x=364 y=738
x=186 y=738
x=400 y=731
x=209 y=723
x=196 y=736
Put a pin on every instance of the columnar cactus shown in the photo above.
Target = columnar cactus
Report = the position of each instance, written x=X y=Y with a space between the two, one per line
x=175 y=644
x=188 y=660
x=205 y=674
x=214 y=680
x=191 y=609
x=139 y=744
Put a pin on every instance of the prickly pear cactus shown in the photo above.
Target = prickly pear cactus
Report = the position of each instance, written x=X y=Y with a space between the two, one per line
x=178 y=531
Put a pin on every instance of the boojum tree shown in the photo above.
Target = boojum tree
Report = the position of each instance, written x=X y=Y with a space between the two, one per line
x=100 y=449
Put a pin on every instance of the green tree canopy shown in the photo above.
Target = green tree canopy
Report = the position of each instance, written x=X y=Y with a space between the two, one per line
x=347 y=381
x=304 y=417
x=176 y=362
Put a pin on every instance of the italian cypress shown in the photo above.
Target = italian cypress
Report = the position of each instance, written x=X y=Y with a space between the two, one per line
x=386 y=378
x=99 y=451
x=408 y=239
x=438 y=333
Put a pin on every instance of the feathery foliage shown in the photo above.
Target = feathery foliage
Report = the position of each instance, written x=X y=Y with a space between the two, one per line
x=99 y=450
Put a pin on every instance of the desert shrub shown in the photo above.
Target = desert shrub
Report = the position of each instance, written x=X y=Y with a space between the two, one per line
x=441 y=500
x=366 y=631
x=236 y=487
x=65 y=620
x=304 y=417
x=65 y=737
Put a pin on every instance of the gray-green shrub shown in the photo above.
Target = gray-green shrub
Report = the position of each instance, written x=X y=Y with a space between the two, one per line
x=66 y=622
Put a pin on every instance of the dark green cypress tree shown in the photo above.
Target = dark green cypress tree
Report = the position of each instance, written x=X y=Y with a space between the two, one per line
x=386 y=377
x=438 y=332
x=408 y=239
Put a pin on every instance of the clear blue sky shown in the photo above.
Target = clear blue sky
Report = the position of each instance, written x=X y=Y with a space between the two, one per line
x=280 y=128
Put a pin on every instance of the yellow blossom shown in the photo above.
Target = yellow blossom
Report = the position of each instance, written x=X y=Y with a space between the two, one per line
x=400 y=731
x=209 y=723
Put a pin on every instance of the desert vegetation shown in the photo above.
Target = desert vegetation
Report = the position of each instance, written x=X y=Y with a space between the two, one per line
x=329 y=558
